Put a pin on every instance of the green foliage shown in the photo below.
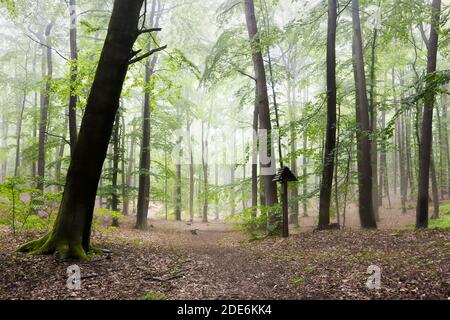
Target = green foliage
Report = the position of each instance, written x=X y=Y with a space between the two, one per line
x=104 y=216
x=10 y=6
x=16 y=205
x=154 y=296
x=443 y=222
x=258 y=227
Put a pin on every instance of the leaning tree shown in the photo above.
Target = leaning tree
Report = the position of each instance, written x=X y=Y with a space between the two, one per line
x=70 y=236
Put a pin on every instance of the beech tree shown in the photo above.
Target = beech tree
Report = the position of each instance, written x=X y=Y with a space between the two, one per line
x=427 y=122
x=366 y=212
x=70 y=236
x=330 y=144
x=262 y=101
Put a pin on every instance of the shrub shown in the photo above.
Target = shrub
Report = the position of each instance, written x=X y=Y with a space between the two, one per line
x=257 y=227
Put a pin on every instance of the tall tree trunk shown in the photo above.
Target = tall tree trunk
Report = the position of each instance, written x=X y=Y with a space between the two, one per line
x=373 y=125
x=446 y=150
x=115 y=169
x=305 y=175
x=384 y=181
x=73 y=129
x=178 y=185
x=44 y=108
x=427 y=123
x=34 y=118
x=70 y=236
x=255 y=162
x=409 y=163
x=366 y=212
x=144 y=163
x=129 y=175
x=191 y=174
x=205 y=173
x=60 y=156
x=441 y=148
x=434 y=188
x=19 y=131
x=294 y=207
x=216 y=196
x=270 y=188
x=330 y=144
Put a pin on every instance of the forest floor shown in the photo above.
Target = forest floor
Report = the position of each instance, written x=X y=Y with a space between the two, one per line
x=176 y=260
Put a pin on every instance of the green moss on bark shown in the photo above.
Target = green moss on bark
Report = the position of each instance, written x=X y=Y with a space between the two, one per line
x=61 y=248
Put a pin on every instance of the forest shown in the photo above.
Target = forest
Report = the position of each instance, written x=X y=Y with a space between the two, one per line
x=224 y=149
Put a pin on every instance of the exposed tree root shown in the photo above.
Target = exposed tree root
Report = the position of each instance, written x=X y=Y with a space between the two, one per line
x=61 y=248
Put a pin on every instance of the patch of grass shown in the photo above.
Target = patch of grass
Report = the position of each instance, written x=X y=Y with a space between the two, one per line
x=443 y=222
x=444 y=209
x=298 y=281
x=154 y=296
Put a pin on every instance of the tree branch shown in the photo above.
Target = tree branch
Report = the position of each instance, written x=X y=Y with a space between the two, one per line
x=149 y=30
x=246 y=74
x=146 y=55
x=59 y=137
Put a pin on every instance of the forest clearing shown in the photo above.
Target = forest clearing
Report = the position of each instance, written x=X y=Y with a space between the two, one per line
x=224 y=150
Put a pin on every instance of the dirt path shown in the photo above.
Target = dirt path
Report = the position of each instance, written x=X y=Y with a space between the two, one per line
x=216 y=262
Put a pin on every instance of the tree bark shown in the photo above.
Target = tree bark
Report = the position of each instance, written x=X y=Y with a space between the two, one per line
x=373 y=125
x=73 y=129
x=115 y=169
x=70 y=237
x=270 y=189
x=45 y=96
x=366 y=212
x=427 y=123
x=144 y=164
x=330 y=144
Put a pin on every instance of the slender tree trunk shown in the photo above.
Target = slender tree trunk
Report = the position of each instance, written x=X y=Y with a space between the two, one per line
x=294 y=207
x=44 y=108
x=441 y=147
x=19 y=131
x=115 y=169
x=409 y=164
x=191 y=176
x=330 y=144
x=70 y=237
x=216 y=196
x=446 y=150
x=270 y=189
x=384 y=180
x=73 y=129
x=178 y=185
x=305 y=175
x=373 y=126
x=427 y=123
x=5 y=129
x=144 y=164
x=255 y=163
x=205 y=173
x=434 y=188
x=366 y=212
x=34 y=118
x=403 y=190
x=129 y=175
x=58 y=167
